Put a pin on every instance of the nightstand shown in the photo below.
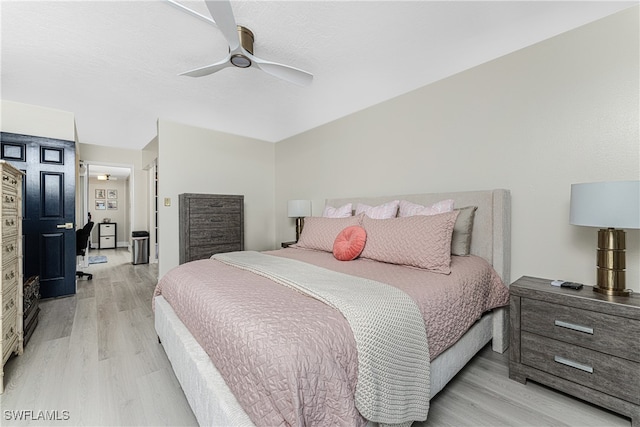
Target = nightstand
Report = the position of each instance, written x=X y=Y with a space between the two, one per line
x=287 y=244
x=579 y=342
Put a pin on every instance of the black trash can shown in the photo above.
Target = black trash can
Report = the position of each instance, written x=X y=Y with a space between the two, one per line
x=140 y=249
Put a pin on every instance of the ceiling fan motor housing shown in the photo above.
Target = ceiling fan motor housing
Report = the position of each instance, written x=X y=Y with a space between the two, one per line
x=246 y=41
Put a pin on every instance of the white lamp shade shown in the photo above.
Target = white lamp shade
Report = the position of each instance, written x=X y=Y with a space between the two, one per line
x=606 y=204
x=299 y=208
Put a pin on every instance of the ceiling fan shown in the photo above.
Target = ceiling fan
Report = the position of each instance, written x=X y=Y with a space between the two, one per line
x=240 y=41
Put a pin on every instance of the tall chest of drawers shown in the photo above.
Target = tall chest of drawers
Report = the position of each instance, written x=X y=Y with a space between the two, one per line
x=11 y=261
x=580 y=342
x=210 y=224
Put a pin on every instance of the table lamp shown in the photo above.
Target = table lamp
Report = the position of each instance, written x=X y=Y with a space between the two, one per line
x=299 y=209
x=610 y=206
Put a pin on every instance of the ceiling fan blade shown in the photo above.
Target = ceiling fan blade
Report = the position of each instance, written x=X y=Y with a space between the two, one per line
x=209 y=69
x=284 y=72
x=223 y=14
x=193 y=13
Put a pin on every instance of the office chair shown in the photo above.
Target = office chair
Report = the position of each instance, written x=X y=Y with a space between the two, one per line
x=82 y=240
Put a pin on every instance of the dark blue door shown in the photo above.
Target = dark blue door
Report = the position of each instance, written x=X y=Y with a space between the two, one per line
x=48 y=209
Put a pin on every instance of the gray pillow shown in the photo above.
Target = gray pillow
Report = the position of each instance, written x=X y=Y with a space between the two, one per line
x=461 y=239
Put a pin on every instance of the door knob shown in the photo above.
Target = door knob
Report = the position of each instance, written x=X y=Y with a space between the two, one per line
x=66 y=225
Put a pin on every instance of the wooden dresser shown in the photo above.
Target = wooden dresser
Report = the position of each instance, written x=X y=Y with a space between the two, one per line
x=210 y=224
x=11 y=261
x=580 y=342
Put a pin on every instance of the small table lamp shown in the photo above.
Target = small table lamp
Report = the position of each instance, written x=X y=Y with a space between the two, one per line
x=299 y=209
x=612 y=205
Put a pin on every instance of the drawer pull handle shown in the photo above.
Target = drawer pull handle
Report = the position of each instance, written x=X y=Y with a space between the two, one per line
x=573 y=364
x=574 y=327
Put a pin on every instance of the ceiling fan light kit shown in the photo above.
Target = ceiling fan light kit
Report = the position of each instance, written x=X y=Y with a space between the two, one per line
x=240 y=41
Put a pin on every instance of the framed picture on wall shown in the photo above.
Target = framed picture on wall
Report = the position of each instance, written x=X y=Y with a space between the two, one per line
x=100 y=193
x=112 y=204
x=100 y=205
x=112 y=194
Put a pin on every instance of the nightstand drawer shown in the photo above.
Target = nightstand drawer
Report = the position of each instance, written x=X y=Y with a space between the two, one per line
x=597 y=331
x=612 y=375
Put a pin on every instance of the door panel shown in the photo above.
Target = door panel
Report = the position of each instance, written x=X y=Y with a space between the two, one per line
x=51 y=187
x=49 y=208
x=52 y=268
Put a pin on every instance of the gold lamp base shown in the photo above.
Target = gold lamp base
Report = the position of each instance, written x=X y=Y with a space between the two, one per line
x=611 y=263
x=614 y=292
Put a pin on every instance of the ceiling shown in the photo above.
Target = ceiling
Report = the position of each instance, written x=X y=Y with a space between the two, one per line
x=113 y=172
x=115 y=64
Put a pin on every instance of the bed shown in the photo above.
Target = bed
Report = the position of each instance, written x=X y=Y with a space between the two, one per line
x=207 y=384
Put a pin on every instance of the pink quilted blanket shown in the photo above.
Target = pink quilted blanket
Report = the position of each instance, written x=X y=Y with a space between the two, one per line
x=290 y=359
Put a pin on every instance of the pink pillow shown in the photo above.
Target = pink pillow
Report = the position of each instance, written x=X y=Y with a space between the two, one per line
x=349 y=243
x=341 y=212
x=411 y=209
x=422 y=241
x=319 y=233
x=387 y=210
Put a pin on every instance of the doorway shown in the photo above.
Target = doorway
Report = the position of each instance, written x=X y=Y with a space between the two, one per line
x=107 y=193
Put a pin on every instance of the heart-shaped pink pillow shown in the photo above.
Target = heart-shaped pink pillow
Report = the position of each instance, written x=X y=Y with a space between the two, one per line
x=349 y=243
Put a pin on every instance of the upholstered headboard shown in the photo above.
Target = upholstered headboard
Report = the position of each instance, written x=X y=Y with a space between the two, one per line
x=491 y=236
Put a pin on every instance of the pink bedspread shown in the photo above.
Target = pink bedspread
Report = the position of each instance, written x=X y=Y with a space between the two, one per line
x=290 y=359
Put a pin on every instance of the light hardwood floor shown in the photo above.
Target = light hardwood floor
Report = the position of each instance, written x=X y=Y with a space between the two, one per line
x=96 y=356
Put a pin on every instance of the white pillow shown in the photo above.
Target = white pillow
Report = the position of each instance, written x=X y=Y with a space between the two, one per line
x=411 y=209
x=341 y=212
x=384 y=211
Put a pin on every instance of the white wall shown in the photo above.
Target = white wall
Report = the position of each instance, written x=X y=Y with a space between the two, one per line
x=37 y=121
x=25 y=119
x=195 y=160
x=98 y=154
x=560 y=112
